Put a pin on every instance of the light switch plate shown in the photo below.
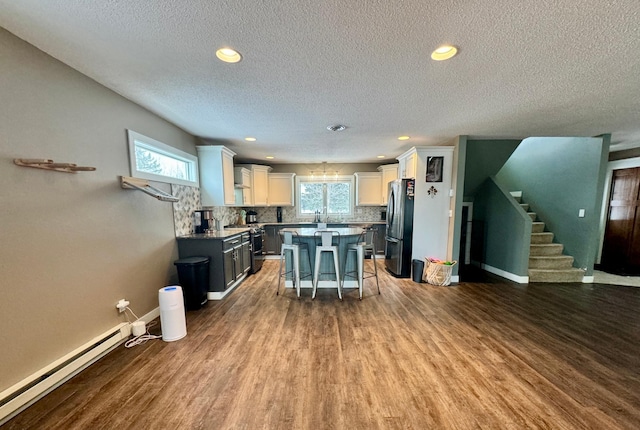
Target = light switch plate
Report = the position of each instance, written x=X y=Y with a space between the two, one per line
x=581 y=213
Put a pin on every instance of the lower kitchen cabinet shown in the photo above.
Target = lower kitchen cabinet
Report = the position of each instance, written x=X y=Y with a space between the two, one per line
x=228 y=262
x=236 y=258
x=245 y=254
x=271 y=239
x=381 y=231
x=229 y=258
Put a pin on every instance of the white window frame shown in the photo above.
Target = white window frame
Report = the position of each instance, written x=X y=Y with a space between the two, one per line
x=328 y=180
x=137 y=139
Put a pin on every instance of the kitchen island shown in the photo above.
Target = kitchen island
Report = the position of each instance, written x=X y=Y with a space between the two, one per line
x=344 y=236
x=272 y=229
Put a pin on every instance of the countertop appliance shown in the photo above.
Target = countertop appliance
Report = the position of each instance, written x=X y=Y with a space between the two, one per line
x=202 y=221
x=252 y=217
x=400 y=227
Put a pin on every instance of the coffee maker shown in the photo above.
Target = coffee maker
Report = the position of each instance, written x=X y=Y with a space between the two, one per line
x=202 y=221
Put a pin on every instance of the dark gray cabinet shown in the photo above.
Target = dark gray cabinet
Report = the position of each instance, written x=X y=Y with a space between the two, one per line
x=245 y=254
x=228 y=262
x=272 y=241
x=229 y=257
x=381 y=231
x=236 y=258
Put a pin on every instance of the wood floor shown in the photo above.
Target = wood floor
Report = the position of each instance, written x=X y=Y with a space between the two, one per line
x=491 y=354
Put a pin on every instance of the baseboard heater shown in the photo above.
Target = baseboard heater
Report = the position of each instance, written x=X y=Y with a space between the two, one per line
x=17 y=398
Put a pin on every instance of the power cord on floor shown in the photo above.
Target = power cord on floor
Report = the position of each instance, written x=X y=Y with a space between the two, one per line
x=138 y=340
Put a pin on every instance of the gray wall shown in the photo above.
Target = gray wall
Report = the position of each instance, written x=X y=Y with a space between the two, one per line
x=72 y=244
x=558 y=176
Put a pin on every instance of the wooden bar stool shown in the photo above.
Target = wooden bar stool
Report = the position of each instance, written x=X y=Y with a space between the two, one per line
x=326 y=245
x=366 y=244
x=289 y=247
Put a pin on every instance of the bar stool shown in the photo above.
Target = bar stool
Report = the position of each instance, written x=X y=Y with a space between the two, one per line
x=366 y=244
x=326 y=245
x=287 y=246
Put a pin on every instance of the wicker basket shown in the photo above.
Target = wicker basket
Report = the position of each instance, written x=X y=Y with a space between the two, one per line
x=437 y=273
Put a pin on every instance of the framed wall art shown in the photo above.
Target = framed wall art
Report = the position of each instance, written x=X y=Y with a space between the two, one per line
x=434 y=169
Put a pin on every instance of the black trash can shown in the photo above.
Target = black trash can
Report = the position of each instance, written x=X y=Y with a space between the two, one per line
x=417 y=268
x=193 y=276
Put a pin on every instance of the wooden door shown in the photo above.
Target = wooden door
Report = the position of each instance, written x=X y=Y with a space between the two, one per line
x=621 y=248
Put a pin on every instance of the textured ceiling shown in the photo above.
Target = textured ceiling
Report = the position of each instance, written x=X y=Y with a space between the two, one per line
x=525 y=68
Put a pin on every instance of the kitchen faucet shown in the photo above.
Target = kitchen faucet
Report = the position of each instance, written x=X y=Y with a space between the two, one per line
x=318 y=214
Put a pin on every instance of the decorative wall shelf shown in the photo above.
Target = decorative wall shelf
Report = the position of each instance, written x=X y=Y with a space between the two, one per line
x=128 y=182
x=50 y=165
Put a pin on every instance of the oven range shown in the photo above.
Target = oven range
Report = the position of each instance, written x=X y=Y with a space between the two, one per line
x=256 y=234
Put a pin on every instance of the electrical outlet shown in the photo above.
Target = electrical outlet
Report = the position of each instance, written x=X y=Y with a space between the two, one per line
x=122 y=305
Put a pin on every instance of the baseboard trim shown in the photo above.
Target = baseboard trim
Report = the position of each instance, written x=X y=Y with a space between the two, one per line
x=219 y=295
x=510 y=276
x=20 y=396
x=23 y=394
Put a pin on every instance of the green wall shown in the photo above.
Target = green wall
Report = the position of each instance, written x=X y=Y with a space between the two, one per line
x=501 y=215
x=484 y=158
x=559 y=176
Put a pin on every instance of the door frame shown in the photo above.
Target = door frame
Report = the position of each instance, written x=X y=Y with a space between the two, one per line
x=627 y=163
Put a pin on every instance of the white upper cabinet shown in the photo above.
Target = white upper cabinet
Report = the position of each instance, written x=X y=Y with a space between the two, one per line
x=259 y=184
x=408 y=162
x=368 y=188
x=389 y=173
x=242 y=184
x=216 y=175
x=281 y=189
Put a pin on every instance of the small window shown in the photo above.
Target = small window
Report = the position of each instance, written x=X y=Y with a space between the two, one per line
x=335 y=196
x=155 y=161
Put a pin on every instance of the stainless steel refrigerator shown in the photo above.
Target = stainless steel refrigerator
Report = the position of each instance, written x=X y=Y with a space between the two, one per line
x=399 y=227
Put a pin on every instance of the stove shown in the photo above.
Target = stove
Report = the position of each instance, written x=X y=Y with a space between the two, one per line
x=256 y=235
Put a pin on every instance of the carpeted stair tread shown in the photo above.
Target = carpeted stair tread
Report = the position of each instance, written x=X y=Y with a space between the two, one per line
x=546 y=249
x=550 y=275
x=544 y=237
x=551 y=262
x=537 y=227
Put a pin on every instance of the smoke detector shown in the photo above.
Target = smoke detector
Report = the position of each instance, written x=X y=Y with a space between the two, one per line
x=337 y=127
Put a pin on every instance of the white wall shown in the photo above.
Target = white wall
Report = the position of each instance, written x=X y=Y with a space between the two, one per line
x=431 y=220
x=71 y=245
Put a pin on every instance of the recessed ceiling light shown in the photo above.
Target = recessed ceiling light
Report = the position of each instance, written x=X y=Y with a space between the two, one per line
x=250 y=139
x=270 y=157
x=404 y=138
x=228 y=55
x=380 y=156
x=444 y=52
x=337 y=127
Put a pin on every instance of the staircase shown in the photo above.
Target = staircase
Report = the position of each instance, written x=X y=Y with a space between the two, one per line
x=547 y=263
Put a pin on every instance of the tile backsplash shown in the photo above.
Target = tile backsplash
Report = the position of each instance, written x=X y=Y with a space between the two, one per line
x=189 y=201
x=366 y=214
